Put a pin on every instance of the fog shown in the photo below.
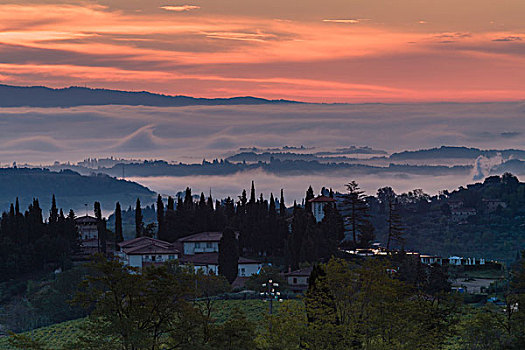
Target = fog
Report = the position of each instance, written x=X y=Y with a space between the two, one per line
x=295 y=186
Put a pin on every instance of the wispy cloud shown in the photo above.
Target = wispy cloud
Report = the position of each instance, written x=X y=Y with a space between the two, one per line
x=347 y=21
x=509 y=38
x=180 y=8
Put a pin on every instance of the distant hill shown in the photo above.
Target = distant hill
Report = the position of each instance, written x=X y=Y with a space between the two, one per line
x=39 y=96
x=452 y=152
x=71 y=189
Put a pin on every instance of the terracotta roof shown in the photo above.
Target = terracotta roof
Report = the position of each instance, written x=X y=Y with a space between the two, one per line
x=150 y=248
x=212 y=259
x=322 y=199
x=141 y=241
x=202 y=237
x=302 y=272
x=147 y=245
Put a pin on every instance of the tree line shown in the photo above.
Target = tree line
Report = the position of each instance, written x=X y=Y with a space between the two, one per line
x=29 y=243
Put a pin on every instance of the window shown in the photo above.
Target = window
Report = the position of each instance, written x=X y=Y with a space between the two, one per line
x=294 y=280
x=208 y=245
x=243 y=271
x=153 y=258
x=171 y=257
x=198 y=245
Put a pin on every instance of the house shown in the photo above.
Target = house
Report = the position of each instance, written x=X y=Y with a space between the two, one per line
x=431 y=259
x=143 y=251
x=298 y=280
x=455 y=204
x=204 y=242
x=455 y=260
x=87 y=229
x=459 y=215
x=209 y=264
x=318 y=205
x=491 y=205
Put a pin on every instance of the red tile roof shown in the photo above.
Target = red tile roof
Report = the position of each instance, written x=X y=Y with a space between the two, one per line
x=202 y=237
x=147 y=245
x=322 y=199
x=302 y=272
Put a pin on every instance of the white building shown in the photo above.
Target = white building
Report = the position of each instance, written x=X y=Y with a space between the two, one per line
x=318 y=205
x=431 y=259
x=87 y=227
x=491 y=205
x=298 y=280
x=462 y=214
x=204 y=242
x=209 y=264
x=143 y=251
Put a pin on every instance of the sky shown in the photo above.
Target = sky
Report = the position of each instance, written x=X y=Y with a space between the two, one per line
x=318 y=51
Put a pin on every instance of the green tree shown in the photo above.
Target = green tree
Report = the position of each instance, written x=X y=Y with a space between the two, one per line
x=139 y=223
x=358 y=216
x=160 y=219
x=229 y=255
x=119 y=237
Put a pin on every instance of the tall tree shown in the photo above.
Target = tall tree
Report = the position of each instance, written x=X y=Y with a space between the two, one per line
x=101 y=228
x=171 y=203
x=139 y=223
x=53 y=213
x=119 y=237
x=282 y=206
x=228 y=255
x=395 y=226
x=160 y=218
x=309 y=195
x=357 y=208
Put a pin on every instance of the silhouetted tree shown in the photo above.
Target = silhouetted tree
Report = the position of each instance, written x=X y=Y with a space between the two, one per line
x=228 y=255
x=139 y=224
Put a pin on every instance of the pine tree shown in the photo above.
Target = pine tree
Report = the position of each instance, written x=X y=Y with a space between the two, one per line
x=139 y=224
x=355 y=203
x=395 y=227
x=160 y=218
x=119 y=237
x=228 y=255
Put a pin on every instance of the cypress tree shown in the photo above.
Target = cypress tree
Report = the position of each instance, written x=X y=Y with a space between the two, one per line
x=160 y=218
x=53 y=213
x=139 y=224
x=228 y=255
x=252 y=193
x=282 y=206
x=309 y=195
x=171 y=203
x=119 y=237
x=101 y=229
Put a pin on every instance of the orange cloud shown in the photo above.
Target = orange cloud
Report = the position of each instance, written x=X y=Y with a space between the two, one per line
x=180 y=8
x=213 y=56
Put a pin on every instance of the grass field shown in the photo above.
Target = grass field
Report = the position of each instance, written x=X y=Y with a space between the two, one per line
x=57 y=335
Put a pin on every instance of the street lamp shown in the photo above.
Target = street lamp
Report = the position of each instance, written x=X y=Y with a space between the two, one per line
x=271 y=293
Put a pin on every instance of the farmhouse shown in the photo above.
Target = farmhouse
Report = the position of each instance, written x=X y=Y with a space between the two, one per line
x=209 y=264
x=143 y=251
x=298 y=280
x=318 y=205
